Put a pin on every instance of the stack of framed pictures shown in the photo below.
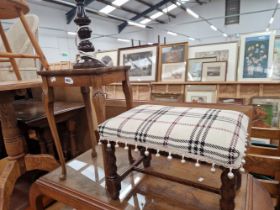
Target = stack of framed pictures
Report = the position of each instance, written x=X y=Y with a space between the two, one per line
x=220 y=59
x=143 y=61
x=172 y=62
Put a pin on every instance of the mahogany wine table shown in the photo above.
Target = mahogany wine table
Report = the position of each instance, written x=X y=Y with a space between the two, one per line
x=17 y=161
x=84 y=187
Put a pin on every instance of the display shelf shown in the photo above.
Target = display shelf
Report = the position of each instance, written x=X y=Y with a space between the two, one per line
x=231 y=89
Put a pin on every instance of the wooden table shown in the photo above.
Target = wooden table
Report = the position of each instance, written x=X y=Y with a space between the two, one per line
x=18 y=162
x=84 y=188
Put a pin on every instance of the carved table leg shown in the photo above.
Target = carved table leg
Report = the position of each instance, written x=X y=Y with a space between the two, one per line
x=90 y=112
x=113 y=182
x=147 y=159
x=227 y=191
x=48 y=98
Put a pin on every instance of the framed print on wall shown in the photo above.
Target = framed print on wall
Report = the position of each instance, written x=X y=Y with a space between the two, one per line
x=214 y=71
x=276 y=60
x=194 y=69
x=109 y=58
x=173 y=72
x=223 y=52
x=172 y=53
x=143 y=62
x=256 y=57
x=201 y=96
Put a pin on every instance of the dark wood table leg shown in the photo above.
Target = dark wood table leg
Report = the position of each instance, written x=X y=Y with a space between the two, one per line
x=228 y=190
x=113 y=182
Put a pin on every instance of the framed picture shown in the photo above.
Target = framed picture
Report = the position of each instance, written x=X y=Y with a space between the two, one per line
x=256 y=57
x=214 y=71
x=266 y=111
x=172 y=53
x=223 y=52
x=201 y=96
x=195 y=67
x=167 y=97
x=175 y=72
x=142 y=60
x=109 y=58
x=239 y=101
x=276 y=60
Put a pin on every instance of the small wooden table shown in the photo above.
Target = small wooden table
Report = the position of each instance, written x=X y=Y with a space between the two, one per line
x=96 y=78
x=84 y=187
x=18 y=162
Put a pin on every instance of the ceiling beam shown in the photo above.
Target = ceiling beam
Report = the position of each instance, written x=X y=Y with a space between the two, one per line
x=71 y=13
x=150 y=5
x=125 y=9
x=152 y=8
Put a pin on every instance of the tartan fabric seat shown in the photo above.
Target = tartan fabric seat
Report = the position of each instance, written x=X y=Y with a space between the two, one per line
x=212 y=135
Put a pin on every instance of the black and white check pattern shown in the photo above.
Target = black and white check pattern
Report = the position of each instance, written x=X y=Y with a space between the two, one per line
x=211 y=135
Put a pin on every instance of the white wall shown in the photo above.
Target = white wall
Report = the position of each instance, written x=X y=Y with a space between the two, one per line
x=204 y=34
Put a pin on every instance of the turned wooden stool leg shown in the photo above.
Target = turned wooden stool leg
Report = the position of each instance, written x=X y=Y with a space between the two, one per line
x=228 y=189
x=90 y=118
x=147 y=159
x=48 y=98
x=113 y=182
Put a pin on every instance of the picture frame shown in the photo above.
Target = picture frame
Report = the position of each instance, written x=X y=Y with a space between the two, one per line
x=173 y=72
x=167 y=97
x=214 y=71
x=223 y=100
x=194 y=67
x=271 y=108
x=109 y=58
x=276 y=59
x=201 y=96
x=143 y=61
x=223 y=51
x=172 y=53
x=256 y=57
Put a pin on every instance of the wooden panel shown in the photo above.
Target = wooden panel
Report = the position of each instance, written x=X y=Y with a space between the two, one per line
x=227 y=91
x=144 y=92
x=176 y=89
x=119 y=92
x=248 y=91
x=271 y=90
x=159 y=88
x=135 y=92
x=16 y=85
x=110 y=91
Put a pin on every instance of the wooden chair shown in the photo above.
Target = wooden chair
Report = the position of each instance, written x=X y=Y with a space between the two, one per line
x=10 y=10
x=266 y=161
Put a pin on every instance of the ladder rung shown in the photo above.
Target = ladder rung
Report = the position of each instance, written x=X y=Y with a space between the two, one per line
x=5 y=61
x=15 y=55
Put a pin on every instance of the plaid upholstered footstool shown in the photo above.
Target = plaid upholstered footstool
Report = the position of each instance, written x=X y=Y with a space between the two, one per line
x=215 y=136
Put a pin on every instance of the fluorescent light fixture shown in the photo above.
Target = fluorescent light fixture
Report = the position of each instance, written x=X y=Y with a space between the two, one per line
x=156 y=15
x=172 y=33
x=267 y=29
x=150 y=43
x=119 y=2
x=213 y=28
x=169 y=8
x=123 y=40
x=70 y=33
x=278 y=1
x=191 y=39
x=225 y=35
x=192 y=13
x=271 y=20
x=107 y=9
x=145 y=21
x=178 y=3
x=136 y=24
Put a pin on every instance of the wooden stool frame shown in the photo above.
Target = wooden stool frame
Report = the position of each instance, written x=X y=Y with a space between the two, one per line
x=97 y=78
